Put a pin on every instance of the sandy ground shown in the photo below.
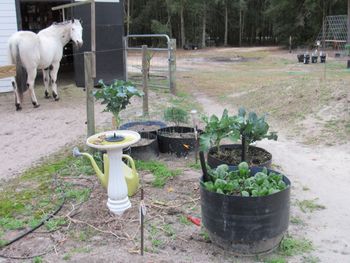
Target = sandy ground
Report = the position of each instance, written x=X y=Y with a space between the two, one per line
x=31 y=134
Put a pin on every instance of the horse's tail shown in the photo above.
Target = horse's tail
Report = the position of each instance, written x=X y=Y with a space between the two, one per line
x=21 y=73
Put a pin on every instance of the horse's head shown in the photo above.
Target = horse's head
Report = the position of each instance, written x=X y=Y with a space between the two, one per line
x=76 y=32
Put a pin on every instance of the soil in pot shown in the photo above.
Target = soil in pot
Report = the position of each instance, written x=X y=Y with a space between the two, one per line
x=246 y=225
x=143 y=126
x=231 y=155
x=177 y=139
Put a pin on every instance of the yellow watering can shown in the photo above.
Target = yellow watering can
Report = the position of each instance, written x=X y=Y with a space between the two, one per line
x=129 y=171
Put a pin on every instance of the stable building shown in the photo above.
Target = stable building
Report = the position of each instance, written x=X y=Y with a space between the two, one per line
x=35 y=15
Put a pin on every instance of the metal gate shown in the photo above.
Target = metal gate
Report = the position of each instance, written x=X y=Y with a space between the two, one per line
x=162 y=60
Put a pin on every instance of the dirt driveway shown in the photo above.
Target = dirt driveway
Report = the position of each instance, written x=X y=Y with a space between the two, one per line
x=29 y=135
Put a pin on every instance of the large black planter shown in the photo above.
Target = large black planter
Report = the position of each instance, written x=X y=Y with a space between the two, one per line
x=215 y=162
x=143 y=126
x=180 y=146
x=323 y=58
x=145 y=152
x=246 y=225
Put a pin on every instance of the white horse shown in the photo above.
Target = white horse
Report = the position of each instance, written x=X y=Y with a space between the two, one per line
x=30 y=51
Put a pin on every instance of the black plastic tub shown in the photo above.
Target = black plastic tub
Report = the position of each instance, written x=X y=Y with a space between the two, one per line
x=181 y=145
x=306 y=59
x=143 y=126
x=300 y=58
x=323 y=59
x=314 y=59
x=145 y=152
x=214 y=162
x=246 y=225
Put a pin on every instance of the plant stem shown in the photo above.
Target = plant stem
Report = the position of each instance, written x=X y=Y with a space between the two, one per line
x=116 y=121
x=244 y=149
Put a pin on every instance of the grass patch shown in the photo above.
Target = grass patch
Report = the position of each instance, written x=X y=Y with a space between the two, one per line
x=309 y=205
x=290 y=246
x=276 y=86
x=160 y=171
x=276 y=260
x=196 y=166
x=183 y=220
x=55 y=223
x=27 y=200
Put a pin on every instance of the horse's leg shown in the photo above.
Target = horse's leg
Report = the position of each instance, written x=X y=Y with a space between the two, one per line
x=46 y=77
x=18 y=99
x=30 y=84
x=53 y=76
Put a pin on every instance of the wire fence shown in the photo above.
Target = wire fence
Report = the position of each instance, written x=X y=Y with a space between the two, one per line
x=158 y=65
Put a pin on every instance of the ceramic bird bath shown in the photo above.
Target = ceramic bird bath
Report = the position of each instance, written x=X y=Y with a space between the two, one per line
x=113 y=142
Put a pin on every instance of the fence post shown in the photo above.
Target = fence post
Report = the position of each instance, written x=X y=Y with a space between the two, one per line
x=125 y=56
x=145 y=72
x=172 y=65
x=89 y=85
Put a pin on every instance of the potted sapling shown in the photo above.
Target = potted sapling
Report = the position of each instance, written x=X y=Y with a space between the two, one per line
x=177 y=139
x=250 y=128
x=116 y=97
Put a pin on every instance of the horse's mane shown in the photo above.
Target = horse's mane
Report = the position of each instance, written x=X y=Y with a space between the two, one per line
x=62 y=23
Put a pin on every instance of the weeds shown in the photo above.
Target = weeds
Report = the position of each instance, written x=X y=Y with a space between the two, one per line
x=160 y=171
x=296 y=221
x=275 y=260
x=27 y=200
x=183 y=220
x=290 y=246
x=309 y=205
x=55 y=223
x=196 y=166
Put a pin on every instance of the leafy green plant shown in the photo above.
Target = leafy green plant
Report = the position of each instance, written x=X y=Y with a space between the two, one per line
x=176 y=115
x=252 y=128
x=116 y=96
x=218 y=129
x=240 y=182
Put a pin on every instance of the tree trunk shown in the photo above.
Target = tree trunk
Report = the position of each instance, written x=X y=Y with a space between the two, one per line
x=204 y=24
x=348 y=22
x=240 y=27
x=183 y=39
x=169 y=23
x=226 y=25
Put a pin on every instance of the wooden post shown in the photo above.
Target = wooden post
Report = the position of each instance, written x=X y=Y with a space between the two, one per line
x=145 y=71
x=172 y=66
x=125 y=54
x=93 y=39
x=89 y=85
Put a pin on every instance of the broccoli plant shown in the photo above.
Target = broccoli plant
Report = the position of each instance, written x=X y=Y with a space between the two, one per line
x=176 y=115
x=240 y=182
x=252 y=128
x=116 y=96
x=218 y=129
